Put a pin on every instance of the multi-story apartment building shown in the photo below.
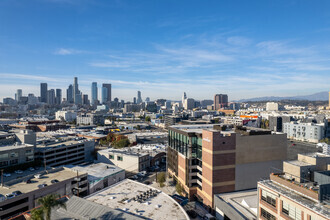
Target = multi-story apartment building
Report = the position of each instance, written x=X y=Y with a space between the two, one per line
x=210 y=159
x=66 y=115
x=301 y=191
x=304 y=131
x=20 y=195
x=90 y=119
x=67 y=151
x=129 y=160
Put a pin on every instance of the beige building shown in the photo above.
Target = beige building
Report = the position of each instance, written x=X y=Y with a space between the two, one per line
x=301 y=191
x=126 y=159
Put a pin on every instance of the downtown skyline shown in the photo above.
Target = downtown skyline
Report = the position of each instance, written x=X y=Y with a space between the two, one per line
x=245 y=50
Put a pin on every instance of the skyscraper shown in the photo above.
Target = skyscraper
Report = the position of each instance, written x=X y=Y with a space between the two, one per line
x=76 y=92
x=184 y=98
x=58 y=99
x=220 y=101
x=69 y=94
x=85 y=100
x=106 y=93
x=94 y=93
x=18 y=95
x=43 y=92
x=134 y=100
x=51 y=97
x=139 y=98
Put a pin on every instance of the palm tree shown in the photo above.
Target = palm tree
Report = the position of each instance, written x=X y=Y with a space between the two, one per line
x=37 y=214
x=47 y=203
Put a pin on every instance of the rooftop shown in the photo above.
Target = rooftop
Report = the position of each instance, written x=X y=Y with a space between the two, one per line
x=5 y=134
x=97 y=170
x=124 y=196
x=245 y=202
x=149 y=148
x=59 y=174
x=14 y=146
x=298 y=163
x=79 y=208
x=126 y=151
x=50 y=143
x=293 y=195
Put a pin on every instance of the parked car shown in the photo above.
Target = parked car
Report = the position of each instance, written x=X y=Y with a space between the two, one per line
x=6 y=174
x=28 y=181
x=37 y=176
x=9 y=196
x=31 y=169
x=19 y=171
x=42 y=186
x=17 y=193
x=54 y=181
x=142 y=173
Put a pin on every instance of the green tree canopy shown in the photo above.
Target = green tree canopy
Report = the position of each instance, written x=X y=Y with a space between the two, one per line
x=47 y=203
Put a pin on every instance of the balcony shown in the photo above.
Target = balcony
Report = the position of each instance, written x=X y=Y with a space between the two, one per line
x=308 y=189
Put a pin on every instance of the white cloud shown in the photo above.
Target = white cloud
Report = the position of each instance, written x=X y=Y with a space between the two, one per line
x=239 y=41
x=68 y=51
x=15 y=76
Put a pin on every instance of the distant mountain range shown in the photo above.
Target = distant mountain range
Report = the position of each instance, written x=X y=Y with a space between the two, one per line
x=320 y=96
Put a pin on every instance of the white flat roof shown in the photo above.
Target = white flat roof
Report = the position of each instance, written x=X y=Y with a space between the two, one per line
x=245 y=202
x=120 y=196
x=97 y=170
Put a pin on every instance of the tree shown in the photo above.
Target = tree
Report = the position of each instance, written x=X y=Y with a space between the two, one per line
x=147 y=118
x=264 y=123
x=37 y=214
x=179 y=188
x=121 y=143
x=161 y=178
x=47 y=203
x=325 y=140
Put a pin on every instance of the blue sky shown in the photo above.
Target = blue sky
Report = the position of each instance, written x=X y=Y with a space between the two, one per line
x=164 y=48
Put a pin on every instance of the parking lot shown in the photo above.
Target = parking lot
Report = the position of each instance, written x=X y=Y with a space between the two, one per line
x=296 y=147
x=24 y=173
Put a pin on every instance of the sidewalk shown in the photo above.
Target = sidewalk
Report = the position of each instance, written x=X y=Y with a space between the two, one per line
x=169 y=188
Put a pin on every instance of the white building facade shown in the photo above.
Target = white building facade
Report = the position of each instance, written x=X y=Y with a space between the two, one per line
x=309 y=132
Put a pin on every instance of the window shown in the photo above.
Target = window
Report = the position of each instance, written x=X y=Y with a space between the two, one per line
x=29 y=158
x=15 y=161
x=3 y=163
x=120 y=158
x=268 y=197
x=111 y=156
x=266 y=215
x=14 y=154
x=291 y=211
x=3 y=156
x=29 y=151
